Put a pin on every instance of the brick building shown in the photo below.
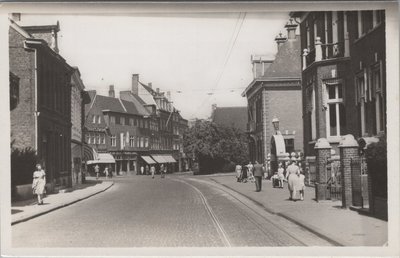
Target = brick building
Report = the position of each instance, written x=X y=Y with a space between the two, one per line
x=166 y=122
x=41 y=114
x=344 y=96
x=275 y=92
x=118 y=128
x=79 y=98
x=343 y=75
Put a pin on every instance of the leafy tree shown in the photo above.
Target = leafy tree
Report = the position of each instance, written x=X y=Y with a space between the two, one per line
x=216 y=148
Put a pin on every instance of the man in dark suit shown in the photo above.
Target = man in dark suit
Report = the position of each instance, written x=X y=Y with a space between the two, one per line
x=258 y=173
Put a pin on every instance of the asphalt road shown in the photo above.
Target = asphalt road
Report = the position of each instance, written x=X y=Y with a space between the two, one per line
x=177 y=211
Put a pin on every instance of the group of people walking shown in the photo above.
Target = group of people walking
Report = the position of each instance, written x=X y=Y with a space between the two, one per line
x=294 y=177
x=107 y=172
x=253 y=173
x=163 y=169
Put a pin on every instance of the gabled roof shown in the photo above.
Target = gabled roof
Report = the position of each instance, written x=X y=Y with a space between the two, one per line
x=109 y=103
x=231 y=117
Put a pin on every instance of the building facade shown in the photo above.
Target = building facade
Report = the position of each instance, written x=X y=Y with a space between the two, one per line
x=275 y=92
x=78 y=100
x=166 y=122
x=343 y=75
x=41 y=115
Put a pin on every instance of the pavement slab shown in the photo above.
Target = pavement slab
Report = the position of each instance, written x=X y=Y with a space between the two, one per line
x=25 y=210
x=326 y=219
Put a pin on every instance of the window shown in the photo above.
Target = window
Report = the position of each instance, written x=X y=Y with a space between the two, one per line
x=98 y=138
x=103 y=139
x=335 y=113
x=122 y=120
x=94 y=119
x=93 y=138
x=117 y=120
x=98 y=119
x=146 y=142
x=88 y=138
x=131 y=121
x=112 y=120
x=379 y=101
x=361 y=99
x=131 y=141
x=113 y=141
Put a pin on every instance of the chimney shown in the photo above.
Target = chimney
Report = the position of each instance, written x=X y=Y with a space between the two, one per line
x=158 y=90
x=291 y=29
x=280 y=39
x=111 y=92
x=150 y=85
x=15 y=17
x=135 y=84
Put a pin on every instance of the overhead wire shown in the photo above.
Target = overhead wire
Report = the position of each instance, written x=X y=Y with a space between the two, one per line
x=236 y=33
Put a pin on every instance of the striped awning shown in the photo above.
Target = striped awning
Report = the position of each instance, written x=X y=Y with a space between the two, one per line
x=148 y=160
x=169 y=158
x=163 y=158
x=159 y=159
x=89 y=153
x=103 y=158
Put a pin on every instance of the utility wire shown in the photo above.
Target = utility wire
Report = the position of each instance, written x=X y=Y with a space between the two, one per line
x=236 y=33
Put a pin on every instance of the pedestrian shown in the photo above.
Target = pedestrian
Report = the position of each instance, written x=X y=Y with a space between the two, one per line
x=281 y=176
x=238 y=170
x=258 y=174
x=292 y=178
x=97 y=171
x=152 y=171
x=106 y=172
x=162 y=169
x=250 y=170
x=141 y=170
x=243 y=177
x=110 y=172
x=39 y=183
x=147 y=170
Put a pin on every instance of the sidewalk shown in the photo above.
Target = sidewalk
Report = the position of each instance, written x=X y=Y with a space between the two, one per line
x=28 y=209
x=326 y=219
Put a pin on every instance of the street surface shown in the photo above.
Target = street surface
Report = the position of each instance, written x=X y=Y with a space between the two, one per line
x=177 y=211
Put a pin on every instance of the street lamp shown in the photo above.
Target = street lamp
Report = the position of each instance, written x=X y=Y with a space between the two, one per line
x=275 y=122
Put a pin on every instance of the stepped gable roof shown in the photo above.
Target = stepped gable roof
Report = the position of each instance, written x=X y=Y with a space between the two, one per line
x=231 y=117
x=287 y=62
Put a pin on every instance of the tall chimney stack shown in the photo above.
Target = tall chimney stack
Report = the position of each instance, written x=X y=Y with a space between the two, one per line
x=169 y=95
x=135 y=84
x=291 y=29
x=150 y=85
x=111 y=92
x=280 y=39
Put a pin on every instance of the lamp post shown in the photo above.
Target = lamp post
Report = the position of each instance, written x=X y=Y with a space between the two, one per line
x=275 y=122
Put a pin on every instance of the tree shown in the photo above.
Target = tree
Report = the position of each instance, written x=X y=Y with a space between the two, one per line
x=216 y=148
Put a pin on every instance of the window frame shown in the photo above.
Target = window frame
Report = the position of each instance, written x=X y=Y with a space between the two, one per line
x=336 y=102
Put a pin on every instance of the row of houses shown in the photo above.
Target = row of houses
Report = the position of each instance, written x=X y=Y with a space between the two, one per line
x=138 y=129
x=325 y=87
x=71 y=129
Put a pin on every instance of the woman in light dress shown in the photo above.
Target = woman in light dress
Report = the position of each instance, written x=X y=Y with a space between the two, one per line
x=39 y=183
x=293 y=179
x=281 y=176
x=238 y=170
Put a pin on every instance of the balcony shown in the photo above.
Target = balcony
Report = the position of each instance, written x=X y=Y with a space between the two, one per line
x=323 y=52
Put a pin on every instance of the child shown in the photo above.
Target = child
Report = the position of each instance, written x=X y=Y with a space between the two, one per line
x=275 y=180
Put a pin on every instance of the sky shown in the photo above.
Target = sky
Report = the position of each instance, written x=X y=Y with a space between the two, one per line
x=202 y=58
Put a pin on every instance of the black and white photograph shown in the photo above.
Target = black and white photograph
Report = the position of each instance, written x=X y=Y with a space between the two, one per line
x=216 y=129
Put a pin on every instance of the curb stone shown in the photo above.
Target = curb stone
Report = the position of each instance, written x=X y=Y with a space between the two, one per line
x=62 y=205
x=307 y=226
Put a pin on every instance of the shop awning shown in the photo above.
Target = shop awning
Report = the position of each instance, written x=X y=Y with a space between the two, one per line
x=159 y=159
x=104 y=158
x=148 y=160
x=169 y=158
